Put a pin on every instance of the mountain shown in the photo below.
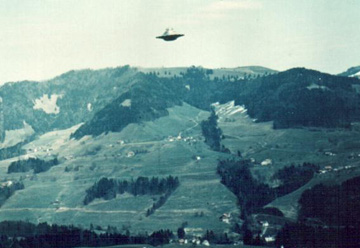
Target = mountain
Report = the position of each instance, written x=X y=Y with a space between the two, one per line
x=151 y=95
x=288 y=98
x=302 y=97
x=294 y=98
x=64 y=101
x=49 y=105
x=237 y=72
x=147 y=100
x=117 y=132
x=351 y=72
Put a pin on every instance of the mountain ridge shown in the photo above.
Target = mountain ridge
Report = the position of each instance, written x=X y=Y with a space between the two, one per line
x=288 y=98
x=351 y=72
x=142 y=125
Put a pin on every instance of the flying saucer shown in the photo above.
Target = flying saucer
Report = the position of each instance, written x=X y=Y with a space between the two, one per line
x=169 y=35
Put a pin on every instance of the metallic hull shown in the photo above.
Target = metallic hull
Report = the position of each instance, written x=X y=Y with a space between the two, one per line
x=169 y=37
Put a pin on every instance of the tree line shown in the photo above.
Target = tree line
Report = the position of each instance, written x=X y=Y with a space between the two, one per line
x=213 y=133
x=329 y=216
x=300 y=97
x=26 y=235
x=334 y=205
x=252 y=194
x=294 y=176
x=158 y=203
x=8 y=190
x=36 y=164
x=108 y=188
x=12 y=151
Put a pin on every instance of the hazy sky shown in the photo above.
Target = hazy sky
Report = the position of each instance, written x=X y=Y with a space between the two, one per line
x=40 y=39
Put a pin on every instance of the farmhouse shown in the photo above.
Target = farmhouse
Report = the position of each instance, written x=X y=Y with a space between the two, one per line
x=269 y=239
x=330 y=154
x=206 y=243
x=225 y=218
x=6 y=184
x=265 y=224
x=328 y=168
x=266 y=162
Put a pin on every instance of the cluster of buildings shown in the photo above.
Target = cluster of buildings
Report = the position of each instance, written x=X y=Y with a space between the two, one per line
x=194 y=241
x=329 y=168
x=39 y=149
x=190 y=140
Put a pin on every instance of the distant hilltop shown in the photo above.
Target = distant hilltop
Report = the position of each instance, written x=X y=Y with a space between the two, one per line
x=351 y=72
x=240 y=72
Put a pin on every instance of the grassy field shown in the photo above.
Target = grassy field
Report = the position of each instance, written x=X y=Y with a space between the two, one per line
x=338 y=148
x=56 y=196
x=171 y=145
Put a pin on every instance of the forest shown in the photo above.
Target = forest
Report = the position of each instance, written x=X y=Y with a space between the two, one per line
x=12 y=151
x=36 y=164
x=288 y=98
x=26 y=235
x=329 y=217
x=211 y=132
x=254 y=195
x=108 y=188
x=8 y=188
x=293 y=177
x=301 y=97
x=333 y=205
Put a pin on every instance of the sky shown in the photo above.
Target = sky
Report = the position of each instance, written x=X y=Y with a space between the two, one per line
x=40 y=39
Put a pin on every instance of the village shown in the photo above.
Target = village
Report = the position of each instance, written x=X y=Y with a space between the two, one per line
x=121 y=148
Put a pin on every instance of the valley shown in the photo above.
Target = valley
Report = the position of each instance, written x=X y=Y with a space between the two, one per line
x=59 y=199
x=151 y=126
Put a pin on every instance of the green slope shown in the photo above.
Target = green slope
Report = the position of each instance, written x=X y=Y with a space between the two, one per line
x=56 y=196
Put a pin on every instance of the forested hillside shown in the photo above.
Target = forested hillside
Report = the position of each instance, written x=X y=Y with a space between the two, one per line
x=301 y=97
x=64 y=101
x=109 y=99
x=294 y=98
